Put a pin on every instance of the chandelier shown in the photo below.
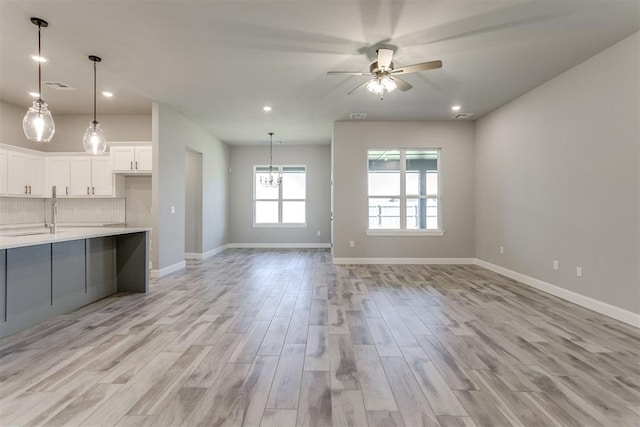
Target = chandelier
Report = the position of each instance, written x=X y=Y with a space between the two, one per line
x=270 y=181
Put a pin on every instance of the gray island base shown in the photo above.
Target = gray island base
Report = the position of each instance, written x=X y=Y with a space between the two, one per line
x=47 y=275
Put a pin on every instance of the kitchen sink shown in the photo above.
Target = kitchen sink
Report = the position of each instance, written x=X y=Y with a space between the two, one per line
x=26 y=233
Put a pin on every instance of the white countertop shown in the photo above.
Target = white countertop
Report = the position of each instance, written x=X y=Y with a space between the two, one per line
x=20 y=238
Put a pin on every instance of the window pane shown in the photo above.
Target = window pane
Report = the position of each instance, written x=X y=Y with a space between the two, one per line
x=422 y=213
x=293 y=183
x=432 y=214
x=384 y=173
x=266 y=212
x=413 y=214
x=413 y=183
x=432 y=182
x=384 y=213
x=262 y=192
x=293 y=212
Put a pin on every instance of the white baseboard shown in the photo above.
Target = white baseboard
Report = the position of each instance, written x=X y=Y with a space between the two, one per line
x=617 y=313
x=279 y=245
x=205 y=255
x=167 y=270
x=404 y=261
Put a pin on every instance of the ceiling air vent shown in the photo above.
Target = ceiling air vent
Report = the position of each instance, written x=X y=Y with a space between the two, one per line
x=462 y=115
x=58 y=85
x=358 y=116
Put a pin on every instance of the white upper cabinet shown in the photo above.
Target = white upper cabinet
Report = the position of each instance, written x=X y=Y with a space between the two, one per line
x=3 y=172
x=101 y=176
x=80 y=176
x=58 y=174
x=25 y=174
x=131 y=158
x=91 y=176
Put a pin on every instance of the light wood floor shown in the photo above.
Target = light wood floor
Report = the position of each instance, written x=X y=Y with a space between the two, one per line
x=279 y=338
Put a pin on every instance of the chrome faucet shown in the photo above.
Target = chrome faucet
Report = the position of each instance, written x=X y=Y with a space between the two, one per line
x=53 y=227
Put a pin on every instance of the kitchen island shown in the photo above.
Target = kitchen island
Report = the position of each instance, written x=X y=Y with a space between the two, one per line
x=43 y=275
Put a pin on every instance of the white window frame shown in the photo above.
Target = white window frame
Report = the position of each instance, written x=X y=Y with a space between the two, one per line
x=403 y=231
x=277 y=171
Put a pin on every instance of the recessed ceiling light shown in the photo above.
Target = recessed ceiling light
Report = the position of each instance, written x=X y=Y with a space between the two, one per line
x=456 y=108
x=267 y=108
x=34 y=94
x=38 y=58
x=107 y=94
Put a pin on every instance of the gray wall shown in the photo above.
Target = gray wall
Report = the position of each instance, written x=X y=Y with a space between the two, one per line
x=70 y=129
x=138 y=201
x=193 y=202
x=558 y=177
x=317 y=158
x=173 y=134
x=350 y=143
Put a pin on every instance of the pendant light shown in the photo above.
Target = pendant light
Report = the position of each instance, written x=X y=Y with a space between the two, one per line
x=270 y=181
x=94 y=141
x=38 y=123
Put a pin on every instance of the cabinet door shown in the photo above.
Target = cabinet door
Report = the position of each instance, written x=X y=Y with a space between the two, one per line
x=16 y=177
x=122 y=158
x=144 y=158
x=34 y=168
x=58 y=174
x=80 y=176
x=3 y=172
x=102 y=176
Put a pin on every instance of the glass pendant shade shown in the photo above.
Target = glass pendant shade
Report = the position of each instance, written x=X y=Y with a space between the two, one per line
x=38 y=124
x=94 y=141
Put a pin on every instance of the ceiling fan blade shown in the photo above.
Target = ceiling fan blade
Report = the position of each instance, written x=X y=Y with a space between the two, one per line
x=402 y=85
x=348 y=73
x=362 y=85
x=424 y=66
x=384 y=58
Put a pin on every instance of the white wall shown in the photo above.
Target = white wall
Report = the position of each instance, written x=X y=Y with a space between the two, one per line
x=350 y=143
x=317 y=158
x=558 y=177
x=70 y=129
x=173 y=134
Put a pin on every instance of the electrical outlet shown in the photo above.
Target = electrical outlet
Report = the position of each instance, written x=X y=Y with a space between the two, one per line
x=173 y=209
x=501 y=249
x=578 y=271
x=318 y=233
x=352 y=244
x=555 y=264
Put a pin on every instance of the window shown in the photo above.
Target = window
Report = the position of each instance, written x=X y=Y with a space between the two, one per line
x=282 y=205
x=404 y=191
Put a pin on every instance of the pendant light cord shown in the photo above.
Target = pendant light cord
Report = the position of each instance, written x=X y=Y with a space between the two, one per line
x=94 y=95
x=39 y=65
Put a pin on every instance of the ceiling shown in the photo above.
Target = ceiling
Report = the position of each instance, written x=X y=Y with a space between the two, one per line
x=220 y=62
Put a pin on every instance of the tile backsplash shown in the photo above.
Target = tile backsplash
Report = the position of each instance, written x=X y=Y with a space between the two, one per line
x=22 y=210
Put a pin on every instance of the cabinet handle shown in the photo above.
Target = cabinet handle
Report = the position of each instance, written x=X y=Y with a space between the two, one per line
x=29 y=189
x=93 y=190
x=26 y=189
x=66 y=191
x=131 y=165
x=88 y=191
x=136 y=165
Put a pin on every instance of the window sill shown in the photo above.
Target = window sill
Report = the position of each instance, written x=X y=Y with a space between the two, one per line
x=399 y=233
x=279 y=225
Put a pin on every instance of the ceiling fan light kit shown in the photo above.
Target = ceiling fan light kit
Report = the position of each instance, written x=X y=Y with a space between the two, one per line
x=94 y=140
x=384 y=75
x=38 y=124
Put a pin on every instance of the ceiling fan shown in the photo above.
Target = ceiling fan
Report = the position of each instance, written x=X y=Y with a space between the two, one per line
x=384 y=76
